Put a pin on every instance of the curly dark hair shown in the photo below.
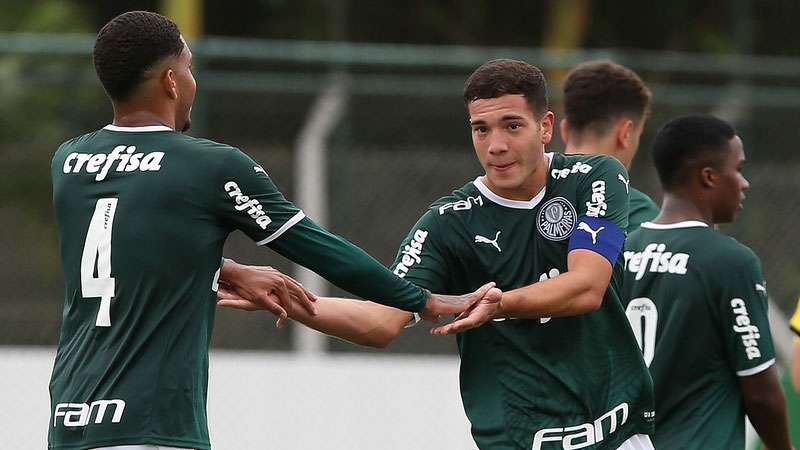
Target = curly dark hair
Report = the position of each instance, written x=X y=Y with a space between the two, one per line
x=507 y=76
x=598 y=93
x=689 y=142
x=129 y=45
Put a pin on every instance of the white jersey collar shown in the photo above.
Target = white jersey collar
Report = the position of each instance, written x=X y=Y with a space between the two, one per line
x=137 y=129
x=517 y=204
x=671 y=226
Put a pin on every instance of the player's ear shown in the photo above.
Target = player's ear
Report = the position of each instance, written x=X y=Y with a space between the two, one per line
x=708 y=177
x=547 y=126
x=625 y=129
x=564 y=128
x=170 y=83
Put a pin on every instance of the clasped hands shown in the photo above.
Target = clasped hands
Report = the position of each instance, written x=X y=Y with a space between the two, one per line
x=253 y=288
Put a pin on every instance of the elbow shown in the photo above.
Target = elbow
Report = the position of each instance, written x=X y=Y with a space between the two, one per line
x=380 y=337
x=591 y=300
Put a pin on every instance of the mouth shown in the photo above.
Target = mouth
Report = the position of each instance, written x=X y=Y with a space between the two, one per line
x=502 y=167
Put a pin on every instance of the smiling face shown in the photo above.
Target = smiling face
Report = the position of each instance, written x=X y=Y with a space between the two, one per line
x=509 y=140
x=728 y=193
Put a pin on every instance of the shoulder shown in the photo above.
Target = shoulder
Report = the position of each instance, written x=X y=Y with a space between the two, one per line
x=462 y=199
x=730 y=254
x=594 y=162
x=570 y=168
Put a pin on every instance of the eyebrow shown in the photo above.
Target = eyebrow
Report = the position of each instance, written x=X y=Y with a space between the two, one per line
x=505 y=118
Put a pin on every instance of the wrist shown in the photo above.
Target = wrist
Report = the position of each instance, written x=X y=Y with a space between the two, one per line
x=500 y=312
x=229 y=269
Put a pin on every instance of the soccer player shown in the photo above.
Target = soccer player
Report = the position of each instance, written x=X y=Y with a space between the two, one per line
x=605 y=108
x=795 y=326
x=697 y=299
x=558 y=367
x=143 y=212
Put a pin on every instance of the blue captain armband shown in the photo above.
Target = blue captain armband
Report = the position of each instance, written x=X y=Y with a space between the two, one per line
x=599 y=236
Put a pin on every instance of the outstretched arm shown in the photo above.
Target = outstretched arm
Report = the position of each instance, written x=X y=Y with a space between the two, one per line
x=360 y=322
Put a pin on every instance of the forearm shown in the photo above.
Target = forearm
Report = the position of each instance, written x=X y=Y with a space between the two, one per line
x=347 y=266
x=356 y=321
x=568 y=294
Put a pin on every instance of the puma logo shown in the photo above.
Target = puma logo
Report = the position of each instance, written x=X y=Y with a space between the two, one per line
x=585 y=227
x=484 y=240
x=625 y=182
x=259 y=169
x=761 y=287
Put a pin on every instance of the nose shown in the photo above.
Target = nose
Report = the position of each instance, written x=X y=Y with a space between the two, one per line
x=497 y=144
x=745 y=184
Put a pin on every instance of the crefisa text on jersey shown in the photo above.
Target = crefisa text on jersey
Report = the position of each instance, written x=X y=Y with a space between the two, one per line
x=655 y=259
x=412 y=253
x=243 y=202
x=124 y=156
x=747 y=331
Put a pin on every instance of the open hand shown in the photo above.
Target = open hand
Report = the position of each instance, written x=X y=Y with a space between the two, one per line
x=480 y=313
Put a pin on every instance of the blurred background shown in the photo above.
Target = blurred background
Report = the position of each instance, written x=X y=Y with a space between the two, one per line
x=354 y=108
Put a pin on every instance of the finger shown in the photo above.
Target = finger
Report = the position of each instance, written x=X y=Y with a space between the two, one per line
x=271 y=304
x=455 y=327
x=238 y=304
x=281 y=298
x=302 y=295
x=483 y=290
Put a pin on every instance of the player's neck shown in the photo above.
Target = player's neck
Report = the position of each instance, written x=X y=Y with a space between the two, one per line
x=679 y=208
x=136 y=116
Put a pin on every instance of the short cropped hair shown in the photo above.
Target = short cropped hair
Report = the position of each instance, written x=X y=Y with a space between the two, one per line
x=598 y=93
x=129 y=45
x=688 y=143
x=507 y=76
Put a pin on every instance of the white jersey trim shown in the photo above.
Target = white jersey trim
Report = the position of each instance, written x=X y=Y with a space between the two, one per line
x=508 y=203
x=289 y=223
x=413 y=321
x=137 y=129
x=757 y=369
x=637 y=442
x=139 y=447
x=671 y=226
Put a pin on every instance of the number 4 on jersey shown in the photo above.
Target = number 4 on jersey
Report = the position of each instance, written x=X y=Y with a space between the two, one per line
x=97 y=255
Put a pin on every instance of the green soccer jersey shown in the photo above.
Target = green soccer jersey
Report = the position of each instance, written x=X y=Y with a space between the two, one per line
x=642 y=209
x=548 y=383
x=142 y=216
x=697 y=302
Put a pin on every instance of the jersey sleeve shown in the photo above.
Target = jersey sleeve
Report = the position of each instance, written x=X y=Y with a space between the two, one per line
x=602 y=209
x=249 y=201
x=347 y=266
x=422 y=257
x=794 y=322
x=745 y=327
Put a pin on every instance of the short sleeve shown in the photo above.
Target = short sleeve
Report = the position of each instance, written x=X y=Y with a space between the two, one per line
x=248 y=200
x=602 y=199
x=745 y=326
x=422 y=257
x=603 y=192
